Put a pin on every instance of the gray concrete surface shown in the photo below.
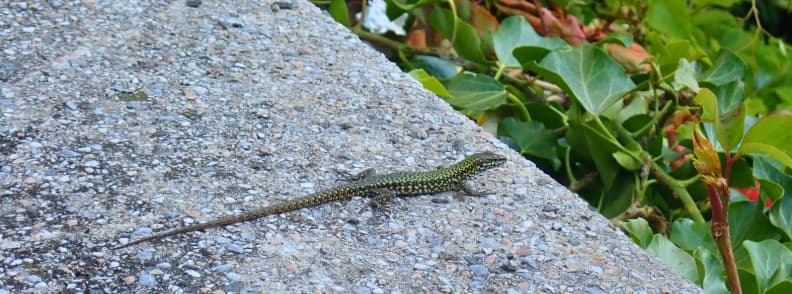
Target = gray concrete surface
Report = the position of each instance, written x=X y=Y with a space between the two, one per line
x=121 y=118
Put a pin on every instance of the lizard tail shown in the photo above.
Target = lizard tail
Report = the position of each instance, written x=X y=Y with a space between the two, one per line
x=294 y=204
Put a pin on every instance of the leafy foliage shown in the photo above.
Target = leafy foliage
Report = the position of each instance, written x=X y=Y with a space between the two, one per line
x=671 y=117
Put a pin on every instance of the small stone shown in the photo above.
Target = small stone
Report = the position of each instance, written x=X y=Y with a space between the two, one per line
x=235 y=248
x=192 y=273
x=200 y=90
x=193 y=3
x=223 y=268
x=147 y=280
x=69 y=153
x=234 y=277
x=479 y=270
x=522 y=251
x=420 y=266
x=72 y=105
x=490 y=243
x=33 y=279
x=145 y=255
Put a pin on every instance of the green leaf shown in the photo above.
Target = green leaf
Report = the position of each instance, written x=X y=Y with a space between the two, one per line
x=527 y=55
x=674 y=257
x=619 y=197
x=475 y=92
x=622 y=38
x=545 y=113
x=781 y=212
x=596 y=146
x=709 y=105
x=721 y=3
x=714 y=273
x=730 y=96
x=468 y=43
x=784 y=287
x=741 y=173
x=690 y=235
x=685 y=76
x=747 y=221
x=781 y=215
x=408 y=5
x=727 y=128
x=771 y=261
x=430 y=82
x=587 y=74
x=515 y=32
x=642 y=123
x=443 y=21
x=784 y=93
x=727 y=68
x=670 y=17
x=626 y=161
x=436 y=66
x=532 y=138
x=670 y=54
x=339 y=11
x=733 y=125
x=637 y=106
x=770 y=191
x=770 y=136
x=638 y=229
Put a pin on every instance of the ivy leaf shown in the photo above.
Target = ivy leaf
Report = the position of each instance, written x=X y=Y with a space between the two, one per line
x=443 y=21
x=475 y=92
x=429 y=82
x=771 y=261
x=532 y=138
x=770 y=136
x=587 y=74
x=670 y=17
x=685 y=76
x=714 y=272
x=408 y=5
x=515 y=32
x=730 y=96
x=674 y=257
x=468 y=43
x=721 y=3
x=781 y=212
x=339 y=11
x=622 y=38
x=436 y=66
x=690 y=235
x=638 y=229
x=726 y=68
x=747 y=221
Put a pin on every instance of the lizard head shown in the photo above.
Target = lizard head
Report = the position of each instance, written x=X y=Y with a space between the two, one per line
x=485 y=160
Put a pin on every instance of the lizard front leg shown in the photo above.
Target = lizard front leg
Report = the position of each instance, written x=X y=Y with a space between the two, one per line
x=470 y=191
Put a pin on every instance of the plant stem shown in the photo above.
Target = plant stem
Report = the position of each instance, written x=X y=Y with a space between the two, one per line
x=679 y=190
x=524 y=115
x=720 y=232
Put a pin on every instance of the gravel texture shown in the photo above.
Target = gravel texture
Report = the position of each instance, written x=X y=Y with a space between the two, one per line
x=120 y=118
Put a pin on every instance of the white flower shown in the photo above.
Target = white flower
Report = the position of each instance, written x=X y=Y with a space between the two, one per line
x=377 y=21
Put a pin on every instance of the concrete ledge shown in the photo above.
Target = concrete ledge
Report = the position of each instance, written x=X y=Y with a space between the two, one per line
x=118 y=119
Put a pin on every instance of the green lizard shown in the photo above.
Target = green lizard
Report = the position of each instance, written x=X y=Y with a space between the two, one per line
x=382 y=187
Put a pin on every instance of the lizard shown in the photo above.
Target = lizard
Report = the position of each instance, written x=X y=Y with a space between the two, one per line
x=382 y=187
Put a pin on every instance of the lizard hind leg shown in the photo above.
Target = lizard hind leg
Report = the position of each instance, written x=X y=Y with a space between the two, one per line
x=382 y=199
